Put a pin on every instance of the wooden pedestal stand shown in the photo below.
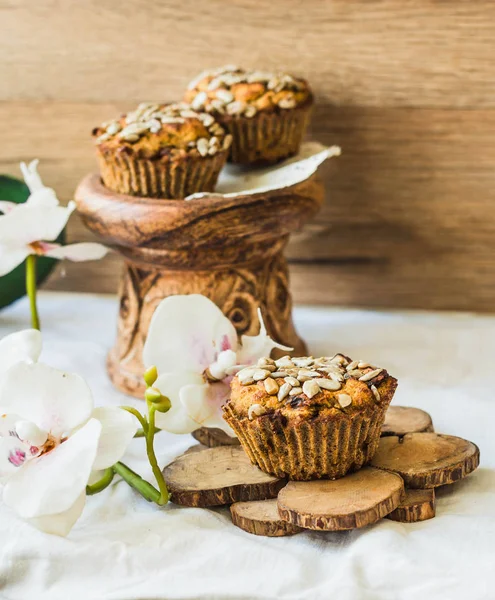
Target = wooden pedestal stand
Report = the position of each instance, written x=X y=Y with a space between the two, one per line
x=229 y=249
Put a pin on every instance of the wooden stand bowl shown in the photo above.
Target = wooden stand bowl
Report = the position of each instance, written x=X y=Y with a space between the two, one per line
x=228 y=249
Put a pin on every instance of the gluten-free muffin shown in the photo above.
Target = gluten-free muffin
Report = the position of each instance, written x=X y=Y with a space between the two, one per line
x=161 y=151
x=309 y=418
x=266 y=113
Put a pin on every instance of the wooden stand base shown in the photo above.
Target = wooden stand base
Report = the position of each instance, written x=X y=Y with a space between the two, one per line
x=228 y=249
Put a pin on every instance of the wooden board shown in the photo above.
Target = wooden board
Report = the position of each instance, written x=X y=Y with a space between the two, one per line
x=400 y=420
x=427 y=460
x=417 y=505
x=216 y=476
x=356 y=500
x=261 y=518
x=212 y=437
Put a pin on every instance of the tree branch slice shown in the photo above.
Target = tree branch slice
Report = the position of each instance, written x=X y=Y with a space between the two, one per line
x=400 y=420
x=418 y=505
x=261 y=518
x=353 y=501
x=427 y=460
x=216 y=476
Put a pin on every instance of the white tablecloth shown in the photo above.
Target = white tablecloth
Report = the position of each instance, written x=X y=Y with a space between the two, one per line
x=124 y=548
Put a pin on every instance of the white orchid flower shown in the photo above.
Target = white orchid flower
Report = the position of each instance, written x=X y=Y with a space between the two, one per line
x=23 y=346
x=30 y=228
x=195 y=349
x=51 y=440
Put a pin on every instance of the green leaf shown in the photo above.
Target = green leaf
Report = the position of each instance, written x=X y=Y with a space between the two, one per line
x=13 y=285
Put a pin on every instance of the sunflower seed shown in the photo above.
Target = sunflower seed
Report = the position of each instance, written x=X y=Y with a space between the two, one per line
x=250 y=111
x=225 y=96
x=336 y=377
x=328 y=384
x=235 y=108
x=246 y=376
x=285 y=361
x=206 y=119
x=256 y=410
x=199 y=101
x=352 y=365
x=260 y=374
x=363 y=365
x=311 y=388
x=356 y=373
x=286 y=103
x=213 y=141
x=188 y=114
x=294 y=391
x=113 y=128
x=338 y=359
x=293 y=381
x=284 y=390
x=212 y=150
x=132 y=137
x=218 y=105
x=265 y=361
x=344 y=400
x=271 y=386
x=309 y=373
x=280 y=374
x=273 y=83
x=370 y=375
x=202 y=145
x=103 y=138
x=376 y=393
x=227 y=141
x=303 y=361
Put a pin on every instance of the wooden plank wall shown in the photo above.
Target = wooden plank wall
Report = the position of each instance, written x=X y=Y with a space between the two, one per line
x=406 y=87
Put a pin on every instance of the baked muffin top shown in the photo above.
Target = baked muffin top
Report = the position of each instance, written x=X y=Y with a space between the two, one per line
x=233 y=91
x=305 y=387
x=163 y=131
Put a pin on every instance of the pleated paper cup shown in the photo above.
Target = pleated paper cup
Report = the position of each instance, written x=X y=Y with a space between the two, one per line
x=322 y=448
x=267 y=137
x=170 y=179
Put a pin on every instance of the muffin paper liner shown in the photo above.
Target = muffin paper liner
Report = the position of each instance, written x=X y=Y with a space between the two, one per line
x=267 y=137
x=171 y=179
x=322 y=448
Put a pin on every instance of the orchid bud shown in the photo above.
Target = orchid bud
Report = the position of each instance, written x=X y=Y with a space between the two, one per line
x=160 y=403
x=150 y=376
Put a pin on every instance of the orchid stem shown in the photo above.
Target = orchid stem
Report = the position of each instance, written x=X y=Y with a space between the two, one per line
x=147 y=491
x=150 y=450
x=140 y=433
x=31 y=290
x=139 y=417
x=101 y=484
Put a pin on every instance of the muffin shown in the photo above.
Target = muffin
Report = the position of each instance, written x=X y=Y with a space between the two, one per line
x=161 y=151
x=306 y=418
x=266 y=113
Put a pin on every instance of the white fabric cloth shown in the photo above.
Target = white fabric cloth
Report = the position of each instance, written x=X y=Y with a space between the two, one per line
x=124 y=548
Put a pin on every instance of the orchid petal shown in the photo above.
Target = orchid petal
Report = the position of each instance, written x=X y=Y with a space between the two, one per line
x=53 y=482
x=61 y=523
x=31 y=175
x=56 y=401
x=176 y=420
x=254 y=347
x=6 y=206
x=11 y=256
x=77 y=252
x=27 y=224
x=203 y=404
x=7 y=423
x=44 y=197
x=187 y=333
x=117 y=430
x=22 y=346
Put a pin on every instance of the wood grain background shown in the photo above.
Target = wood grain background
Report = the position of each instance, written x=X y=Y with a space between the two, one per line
x=407 y=88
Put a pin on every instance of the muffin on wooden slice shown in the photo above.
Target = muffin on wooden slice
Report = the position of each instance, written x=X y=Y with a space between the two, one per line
x=161 y=151
x=266 y=113
x=309 y=418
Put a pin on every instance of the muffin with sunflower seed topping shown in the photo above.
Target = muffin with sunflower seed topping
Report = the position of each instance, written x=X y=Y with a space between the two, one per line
x=309 y=418
x=266 y=113
x=161 y=151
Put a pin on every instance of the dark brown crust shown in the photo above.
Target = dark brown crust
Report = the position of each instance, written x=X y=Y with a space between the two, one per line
x=216 y=476
x=427 y=460
x=254 y=518
x=213 y=437
x=301 y=503
x=400 y=420
x=417 y=505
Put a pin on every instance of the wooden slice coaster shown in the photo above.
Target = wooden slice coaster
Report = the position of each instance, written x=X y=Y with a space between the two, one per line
x=216 y=476
x=356 y=500
x=400 y=420
x=418 y=505
x=261 y=518
x=427 y=460
x=213 y=437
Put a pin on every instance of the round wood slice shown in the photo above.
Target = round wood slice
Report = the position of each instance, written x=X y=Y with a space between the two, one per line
x=418 y=505
x=427 y=460
x=216 y=476
x=400 y=420
x=355 y=500
x=261 y=518
x=212 y=437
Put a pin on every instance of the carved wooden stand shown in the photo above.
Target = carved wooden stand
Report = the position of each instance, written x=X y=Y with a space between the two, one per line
x=229 y=249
